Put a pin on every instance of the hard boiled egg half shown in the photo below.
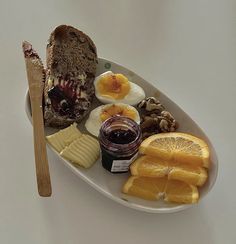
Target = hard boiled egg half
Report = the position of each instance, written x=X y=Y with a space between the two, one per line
x=116 y=88
x=103 y=112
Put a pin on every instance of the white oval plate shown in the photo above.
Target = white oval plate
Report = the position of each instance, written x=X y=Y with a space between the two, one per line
x=110 y=184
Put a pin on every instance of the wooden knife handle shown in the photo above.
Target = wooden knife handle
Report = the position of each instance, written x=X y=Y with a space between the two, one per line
x=41 y=162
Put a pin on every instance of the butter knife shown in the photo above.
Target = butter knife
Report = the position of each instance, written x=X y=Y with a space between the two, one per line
x=36 y=78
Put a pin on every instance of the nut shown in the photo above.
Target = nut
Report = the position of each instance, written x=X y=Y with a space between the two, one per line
x=167 y=115
x=150 y=104
x=164 y=126
x=155 y=119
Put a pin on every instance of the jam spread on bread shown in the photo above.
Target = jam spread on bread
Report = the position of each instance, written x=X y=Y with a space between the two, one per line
x=60 y=102
x=64 y=97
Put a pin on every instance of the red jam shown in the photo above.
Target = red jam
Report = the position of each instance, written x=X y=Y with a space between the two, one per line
x=62 y=99
x=120 y=138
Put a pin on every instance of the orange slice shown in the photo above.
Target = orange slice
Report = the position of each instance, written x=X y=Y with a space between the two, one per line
x=149 y=166
x=180 y=192
x=177 y=147
x=154 y=188
x=192 y=175
x=145 y=188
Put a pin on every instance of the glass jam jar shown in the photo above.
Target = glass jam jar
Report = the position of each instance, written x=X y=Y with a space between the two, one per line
x=119 y=138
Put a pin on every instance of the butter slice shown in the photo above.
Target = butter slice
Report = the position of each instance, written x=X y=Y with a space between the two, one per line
x=84 y=151
x=64 y=137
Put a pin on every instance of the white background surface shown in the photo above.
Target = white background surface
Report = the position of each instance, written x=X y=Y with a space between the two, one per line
x=188 y=50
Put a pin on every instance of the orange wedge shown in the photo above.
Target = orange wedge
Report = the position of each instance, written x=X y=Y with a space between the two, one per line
x=177 y=147
x=149 y=166
x=145 y=188
x=180 y=192
x=154 y=188
x=196 y=176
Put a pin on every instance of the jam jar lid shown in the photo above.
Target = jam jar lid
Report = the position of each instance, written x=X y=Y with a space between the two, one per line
x=120 y=123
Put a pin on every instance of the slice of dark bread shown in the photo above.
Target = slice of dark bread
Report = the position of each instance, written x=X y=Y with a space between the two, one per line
x=71 y=68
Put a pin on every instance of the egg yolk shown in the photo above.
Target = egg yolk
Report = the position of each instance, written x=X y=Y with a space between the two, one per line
x=114 y=86
x=117 y=110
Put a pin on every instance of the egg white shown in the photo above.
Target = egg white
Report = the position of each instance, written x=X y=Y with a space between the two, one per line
x=136 y=93
x=94 y=122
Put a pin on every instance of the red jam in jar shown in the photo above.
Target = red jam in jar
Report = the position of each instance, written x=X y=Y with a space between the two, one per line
x=119 y=138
